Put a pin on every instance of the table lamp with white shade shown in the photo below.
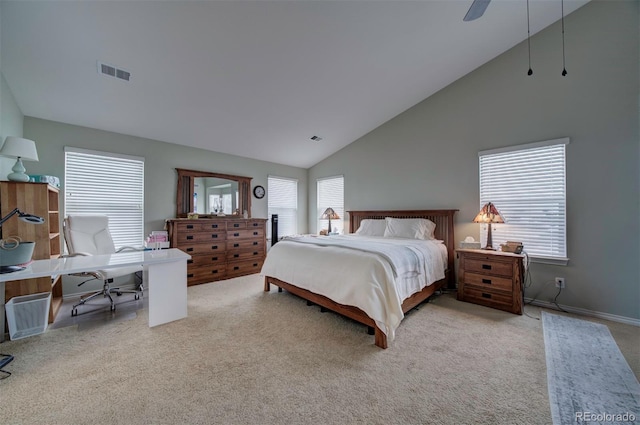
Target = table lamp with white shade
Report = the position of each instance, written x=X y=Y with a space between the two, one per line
x=21 y=149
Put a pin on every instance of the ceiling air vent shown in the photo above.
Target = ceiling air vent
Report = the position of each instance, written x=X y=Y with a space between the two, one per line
x=316 y=138
x=112 y=71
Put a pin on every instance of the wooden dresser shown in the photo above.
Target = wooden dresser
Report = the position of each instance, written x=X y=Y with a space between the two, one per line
x=491 y=278
x=220 y=248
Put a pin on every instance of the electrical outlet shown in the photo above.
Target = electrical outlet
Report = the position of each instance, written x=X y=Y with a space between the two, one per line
x=560 y=282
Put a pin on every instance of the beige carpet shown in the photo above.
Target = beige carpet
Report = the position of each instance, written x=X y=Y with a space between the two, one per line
x=248 y=357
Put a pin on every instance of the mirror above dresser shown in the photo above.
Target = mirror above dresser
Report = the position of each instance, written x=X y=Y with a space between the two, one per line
x=212 y=194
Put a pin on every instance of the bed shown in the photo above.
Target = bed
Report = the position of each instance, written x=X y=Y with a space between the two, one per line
x=303 y=268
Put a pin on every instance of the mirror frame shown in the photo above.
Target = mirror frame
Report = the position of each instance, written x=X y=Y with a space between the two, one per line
x=184 y=196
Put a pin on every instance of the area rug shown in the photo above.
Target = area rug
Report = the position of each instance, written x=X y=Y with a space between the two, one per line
x=588 y=378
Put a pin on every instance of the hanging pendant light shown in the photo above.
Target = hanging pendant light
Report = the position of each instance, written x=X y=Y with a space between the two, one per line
x=530 y=71
x=564 y=68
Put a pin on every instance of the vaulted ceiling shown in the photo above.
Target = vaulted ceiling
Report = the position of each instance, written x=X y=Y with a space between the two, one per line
x=250 y=78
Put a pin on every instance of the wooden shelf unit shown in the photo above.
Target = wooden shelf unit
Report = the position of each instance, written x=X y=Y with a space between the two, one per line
x=42 y=200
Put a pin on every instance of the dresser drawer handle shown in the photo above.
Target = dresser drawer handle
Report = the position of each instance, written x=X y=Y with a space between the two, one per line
x=486 y=266
x=254 y=224
x=255 y=243
x=189 y=249
x=255 y=253
x=235 y=245
x=486 y=295
x=236 y=268
x=214 y=226
x=214 y=247
x=190 y=275
x=189 y=226
x=214 y=258
x=214 y=271
x=255 y=233
x=214 y=235
x=488 y=281
x=189 y=261
x=236 y=255
x=255 y=264
x=189 y=237
x=236 y=234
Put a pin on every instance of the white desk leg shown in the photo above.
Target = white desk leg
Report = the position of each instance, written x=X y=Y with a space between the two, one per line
x=167 y=284
x=1 y=311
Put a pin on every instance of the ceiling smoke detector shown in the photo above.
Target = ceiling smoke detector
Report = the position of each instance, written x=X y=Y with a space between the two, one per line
x=316 y=138
x=112 y=71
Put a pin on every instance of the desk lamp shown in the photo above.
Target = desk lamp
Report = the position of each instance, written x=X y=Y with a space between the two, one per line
x=29 y=218
x=489 y=214
x=329 y=214
x=21 y=149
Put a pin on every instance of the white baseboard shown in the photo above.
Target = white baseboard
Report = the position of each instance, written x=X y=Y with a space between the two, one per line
x=585 y=312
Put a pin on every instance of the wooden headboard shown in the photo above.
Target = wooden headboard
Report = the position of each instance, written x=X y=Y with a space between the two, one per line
x=442 y=218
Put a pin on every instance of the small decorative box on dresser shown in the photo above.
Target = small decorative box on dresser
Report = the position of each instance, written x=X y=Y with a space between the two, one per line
x=220 y=248
x=491 y=278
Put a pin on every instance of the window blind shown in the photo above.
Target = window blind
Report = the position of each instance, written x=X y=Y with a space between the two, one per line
x=104 y=183
x=527 y=184
x=331 y=195
x=282 y=199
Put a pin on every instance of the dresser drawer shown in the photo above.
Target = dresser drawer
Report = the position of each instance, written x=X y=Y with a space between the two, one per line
x=244 y=267
x=488 y=282
x=193 y=237
x=240 y=244
x=234 y=255
x=488 y=267
x=200 y=274
x=203 y=226
x=207 y=248
x=207 y=259
x=255 y=224
x=233 y=225
x=245 y=234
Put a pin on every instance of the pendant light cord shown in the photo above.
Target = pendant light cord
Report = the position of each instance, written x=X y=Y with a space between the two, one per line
x=530 y=71
x=564 y=68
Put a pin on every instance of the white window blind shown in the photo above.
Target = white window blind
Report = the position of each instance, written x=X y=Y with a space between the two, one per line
x=331 y=195
x=104 y=183
x=527 y=184
x=282 y=199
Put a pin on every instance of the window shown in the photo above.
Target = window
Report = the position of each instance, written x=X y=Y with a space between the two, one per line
x=331 y=195
x=527 y=184
x=282 y=199
x=105 y=183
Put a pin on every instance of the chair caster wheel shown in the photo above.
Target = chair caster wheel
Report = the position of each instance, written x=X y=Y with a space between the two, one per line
x=119 y=294
x=113 y=308
x=137 y=297
x=74 y=312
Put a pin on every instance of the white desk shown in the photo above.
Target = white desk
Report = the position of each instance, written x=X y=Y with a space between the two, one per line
x=165 y=277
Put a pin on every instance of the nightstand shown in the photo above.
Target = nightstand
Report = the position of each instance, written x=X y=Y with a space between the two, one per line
x=491 y=278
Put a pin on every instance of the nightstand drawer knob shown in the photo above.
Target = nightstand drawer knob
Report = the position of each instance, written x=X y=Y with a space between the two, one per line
x=488 y=281
x=486 y=295
x=486 y=266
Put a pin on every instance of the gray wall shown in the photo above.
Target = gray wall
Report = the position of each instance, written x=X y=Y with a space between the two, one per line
x=161 y=160
x=427 y=156
x=11 y=122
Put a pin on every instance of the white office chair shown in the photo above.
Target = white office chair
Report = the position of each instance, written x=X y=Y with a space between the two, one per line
x=89 y=235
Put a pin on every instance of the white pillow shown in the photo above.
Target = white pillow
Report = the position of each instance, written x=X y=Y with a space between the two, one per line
x=411 y=228
x=372 y=227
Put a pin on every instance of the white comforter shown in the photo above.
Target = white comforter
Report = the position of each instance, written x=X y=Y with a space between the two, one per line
x=374 y=274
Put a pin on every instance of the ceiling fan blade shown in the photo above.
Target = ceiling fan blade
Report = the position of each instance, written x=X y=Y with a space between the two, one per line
x=476 y=10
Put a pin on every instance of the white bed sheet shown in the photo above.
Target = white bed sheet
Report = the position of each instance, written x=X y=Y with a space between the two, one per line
x=353 y=277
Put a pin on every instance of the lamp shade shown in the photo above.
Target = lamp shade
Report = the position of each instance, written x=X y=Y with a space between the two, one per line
x=330 y=214
x=489 y=214
x=17 y=147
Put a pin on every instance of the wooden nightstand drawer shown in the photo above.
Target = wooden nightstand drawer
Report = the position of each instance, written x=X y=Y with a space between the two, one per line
x=489 y=282
x=486 y=266
x=488 y=298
